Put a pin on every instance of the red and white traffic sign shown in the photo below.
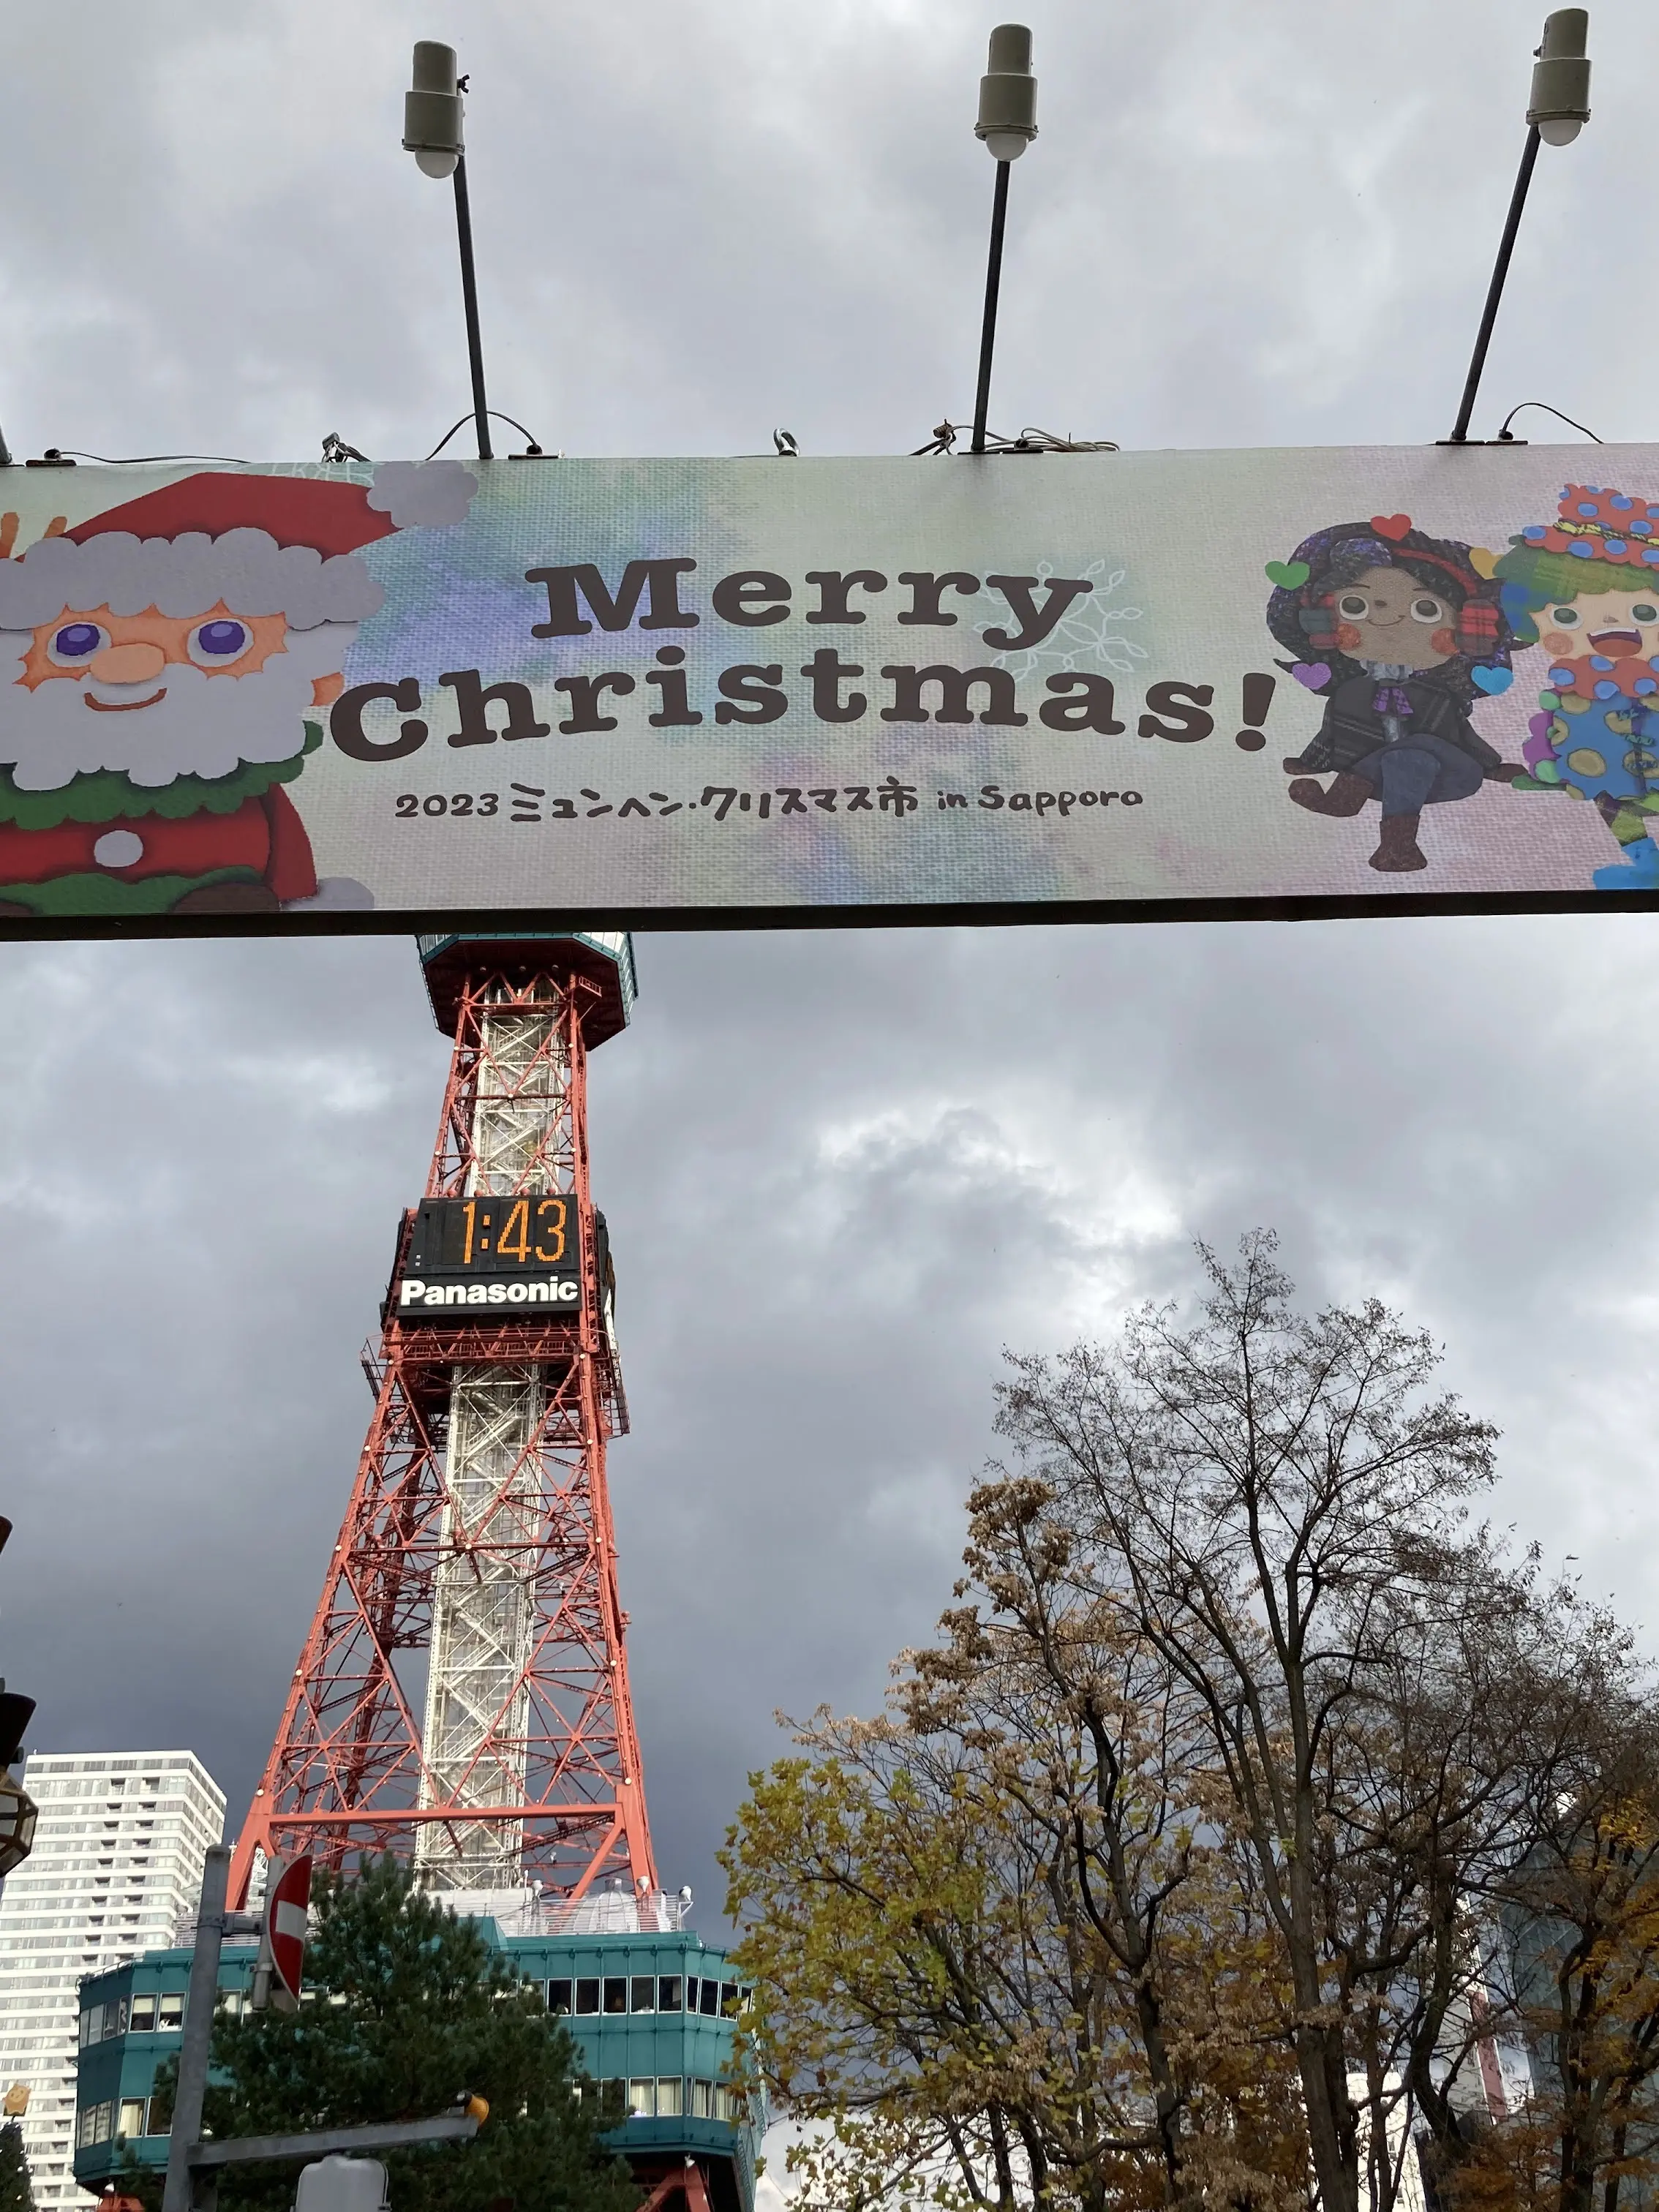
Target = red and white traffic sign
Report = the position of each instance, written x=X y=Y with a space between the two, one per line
x=286 y=1903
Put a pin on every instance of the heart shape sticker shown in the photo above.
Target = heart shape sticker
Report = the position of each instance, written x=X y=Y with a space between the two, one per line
x=1391 y=526
x=1287 y=574
x=1481 y=561
x=1492 y=681
x=1312 y=675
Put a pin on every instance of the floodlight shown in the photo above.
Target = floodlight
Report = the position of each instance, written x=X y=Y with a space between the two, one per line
x=1559 y=106
x=1007 y=124
x=1556 y=112
x=432 y=133
x=432 y=111
x=1007 y=94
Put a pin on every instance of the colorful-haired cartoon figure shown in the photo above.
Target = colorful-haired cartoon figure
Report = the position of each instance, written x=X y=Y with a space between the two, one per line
x=1586 y=588
x=1399 y=634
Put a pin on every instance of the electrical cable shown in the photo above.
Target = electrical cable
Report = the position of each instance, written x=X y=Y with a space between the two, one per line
x=1030 y=440
x=495 y=414
x=1503 y=434
x=136 y=460
x=1052 y=442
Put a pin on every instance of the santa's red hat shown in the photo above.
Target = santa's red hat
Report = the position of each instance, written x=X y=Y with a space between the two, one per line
x=329 y=516
x=257 y=544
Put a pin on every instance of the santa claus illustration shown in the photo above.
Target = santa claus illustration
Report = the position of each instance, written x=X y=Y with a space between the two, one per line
x=165 y=669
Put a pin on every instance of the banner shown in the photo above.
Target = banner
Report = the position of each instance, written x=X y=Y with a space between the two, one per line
x=767 y=690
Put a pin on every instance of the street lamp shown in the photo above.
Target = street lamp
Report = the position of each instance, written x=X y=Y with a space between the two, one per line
x=1556 y=112
x=17 y=1809
x=1007 y=125
x=433 y=134
x=18 y=1815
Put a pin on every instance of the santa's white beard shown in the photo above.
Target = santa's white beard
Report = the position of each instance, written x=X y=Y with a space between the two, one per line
x=204 y=725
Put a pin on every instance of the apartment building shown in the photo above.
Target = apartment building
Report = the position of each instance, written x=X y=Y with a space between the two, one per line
x=117 y=1866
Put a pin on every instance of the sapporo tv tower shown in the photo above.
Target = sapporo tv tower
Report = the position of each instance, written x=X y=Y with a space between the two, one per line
x=479 y=1530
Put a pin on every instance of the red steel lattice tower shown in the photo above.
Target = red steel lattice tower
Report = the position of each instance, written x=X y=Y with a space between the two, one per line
x=477 y=1547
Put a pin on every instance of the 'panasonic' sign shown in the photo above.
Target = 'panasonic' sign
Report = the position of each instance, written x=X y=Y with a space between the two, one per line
x=545 y=1291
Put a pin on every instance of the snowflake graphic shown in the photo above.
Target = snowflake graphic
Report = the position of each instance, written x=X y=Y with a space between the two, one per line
x=1085 y=636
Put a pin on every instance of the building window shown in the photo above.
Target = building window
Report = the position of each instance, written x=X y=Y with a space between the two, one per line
x=615 y=1993
x=725 y=2102
x=669 y=1987
x=670 y=2098
x=132 y=2116
x=709 y=1998
x=142 y=2018
x=115 y=2020
x=170 y=2011
x=690 y=1993
x=558 y=1996
x=702 y=2101
x=642 y=1994
x=587 y=1997
x=729 y=2000
x=92 y=2025
x=642 y=2100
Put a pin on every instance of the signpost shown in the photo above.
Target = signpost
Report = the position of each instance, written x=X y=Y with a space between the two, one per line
x=283 y=1938
x=193 y=2164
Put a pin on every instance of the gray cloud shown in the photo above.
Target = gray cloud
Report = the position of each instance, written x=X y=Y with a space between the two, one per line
x=843 y=1169
x=1263 y=226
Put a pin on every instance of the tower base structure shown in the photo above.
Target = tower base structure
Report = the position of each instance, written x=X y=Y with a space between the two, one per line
x=462 y=1698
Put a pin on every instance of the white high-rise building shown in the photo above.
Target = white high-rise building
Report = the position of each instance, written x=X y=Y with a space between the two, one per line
x=116 y=1861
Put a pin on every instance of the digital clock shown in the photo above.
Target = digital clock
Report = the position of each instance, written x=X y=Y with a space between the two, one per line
x=519 y=1257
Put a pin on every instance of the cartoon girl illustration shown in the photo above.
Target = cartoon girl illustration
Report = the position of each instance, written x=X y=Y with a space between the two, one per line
x=1399 y=634
x=1591 y=579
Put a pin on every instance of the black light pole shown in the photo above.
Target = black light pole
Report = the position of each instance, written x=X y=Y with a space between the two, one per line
x=1556 y=112
x=433 y=134
x=1007 y=124
x=470 y=301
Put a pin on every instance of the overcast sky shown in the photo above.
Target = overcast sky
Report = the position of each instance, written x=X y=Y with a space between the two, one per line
x=843 y=1169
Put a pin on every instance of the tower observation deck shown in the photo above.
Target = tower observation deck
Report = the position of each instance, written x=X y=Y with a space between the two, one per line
x=462 y=1698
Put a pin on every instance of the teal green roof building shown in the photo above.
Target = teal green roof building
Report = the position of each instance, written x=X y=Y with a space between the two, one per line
x=654 y=2014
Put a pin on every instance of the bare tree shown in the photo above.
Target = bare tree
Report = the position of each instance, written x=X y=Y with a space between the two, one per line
x=1096 y=1747
x=1261 y=1487
x=1580 y=1907
x=1429 y=1785
x=995 y=1942
x=920 y=1999
x=1248 y=1791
